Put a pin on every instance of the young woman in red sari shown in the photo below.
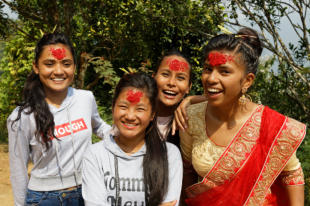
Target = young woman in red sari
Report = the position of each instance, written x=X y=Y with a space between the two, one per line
x=237 y=152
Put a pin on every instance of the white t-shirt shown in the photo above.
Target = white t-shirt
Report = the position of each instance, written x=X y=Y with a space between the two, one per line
x=163 y=125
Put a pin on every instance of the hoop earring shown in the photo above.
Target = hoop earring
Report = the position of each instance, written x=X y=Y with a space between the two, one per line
x=243 y=99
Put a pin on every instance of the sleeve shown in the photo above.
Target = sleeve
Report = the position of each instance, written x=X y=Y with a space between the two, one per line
x=186 y=143
x=292 y=173
x=100 y=128
x=18 y=158
x=190 y=176
x=292 y=164
x=93 y=188
x=175 y=175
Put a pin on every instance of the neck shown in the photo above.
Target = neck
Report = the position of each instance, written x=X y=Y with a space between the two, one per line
x=222 y=113
x=129 y=146
x=231 y=114
x=55 y=98
x=163 y=110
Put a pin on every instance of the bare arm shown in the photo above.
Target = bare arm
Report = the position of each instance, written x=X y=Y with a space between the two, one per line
x=295 y=194
x=292 y=181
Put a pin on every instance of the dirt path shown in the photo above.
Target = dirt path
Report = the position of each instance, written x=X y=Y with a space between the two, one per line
x=6 y=196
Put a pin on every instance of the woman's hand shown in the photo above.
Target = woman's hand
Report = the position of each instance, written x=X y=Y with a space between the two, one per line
x=172 y=203
x=180 y=115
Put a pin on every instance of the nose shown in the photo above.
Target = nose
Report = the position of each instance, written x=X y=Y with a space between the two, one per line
x=171 y=81
x=212 y=77
x=130 y=115
x=58 y=69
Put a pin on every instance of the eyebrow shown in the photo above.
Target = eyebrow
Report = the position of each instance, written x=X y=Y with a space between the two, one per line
x=141 y=104
x=123 y=102
x=128 y=103
x=178 y=72
x=44 y=60
x=67 y=60
x=166 y=69
x=182 y=73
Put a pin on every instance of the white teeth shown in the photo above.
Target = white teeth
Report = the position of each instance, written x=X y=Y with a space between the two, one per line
x=170 y=92
x=130 y=125
x=58 y=79
x=213 y=90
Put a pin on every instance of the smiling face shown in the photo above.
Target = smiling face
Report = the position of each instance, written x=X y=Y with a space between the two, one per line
x=173 y=80
x=55 y=68
x=132 y=113
x=224 y=77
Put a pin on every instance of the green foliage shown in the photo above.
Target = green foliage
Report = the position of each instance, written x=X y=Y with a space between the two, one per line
x=107 y=35
x=304 y=155
x=15 y=65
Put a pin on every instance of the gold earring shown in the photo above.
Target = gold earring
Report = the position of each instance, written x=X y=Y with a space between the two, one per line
x=243 y=100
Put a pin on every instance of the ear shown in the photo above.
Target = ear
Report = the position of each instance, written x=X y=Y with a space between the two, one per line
x=153 y=116
x=189 y=88
x=153 y=75
x=74 y=70
x=249 y=80
x=35 y=68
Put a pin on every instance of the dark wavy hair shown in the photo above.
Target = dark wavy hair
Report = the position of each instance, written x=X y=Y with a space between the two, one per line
x=246 y=42
x=155 y=161
x=33 y=92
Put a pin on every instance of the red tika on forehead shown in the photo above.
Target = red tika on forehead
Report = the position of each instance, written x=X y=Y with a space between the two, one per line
x=58 y=53
x=176 y=65
x=217 y=58
x=134 y=97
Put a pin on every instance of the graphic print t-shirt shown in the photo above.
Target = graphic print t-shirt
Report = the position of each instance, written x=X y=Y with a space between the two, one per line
x=99 y=181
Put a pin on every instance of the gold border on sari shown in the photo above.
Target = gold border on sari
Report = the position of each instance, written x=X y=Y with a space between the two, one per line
x=240 y=149
x=282 y=149
x=233 y=158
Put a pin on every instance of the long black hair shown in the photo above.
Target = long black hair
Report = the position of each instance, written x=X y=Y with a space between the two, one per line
x=155 y=161
x=246 y=42
x=33 y=92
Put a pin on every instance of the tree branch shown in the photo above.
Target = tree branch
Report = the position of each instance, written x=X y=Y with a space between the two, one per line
x=273 y=31
x=304 y=28
x=27 y=14
x=293 y=25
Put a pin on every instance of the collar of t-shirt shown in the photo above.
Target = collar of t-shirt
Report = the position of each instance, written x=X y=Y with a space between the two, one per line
x=163 y=125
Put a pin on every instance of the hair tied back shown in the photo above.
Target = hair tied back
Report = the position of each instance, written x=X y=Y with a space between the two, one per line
x=244 y=36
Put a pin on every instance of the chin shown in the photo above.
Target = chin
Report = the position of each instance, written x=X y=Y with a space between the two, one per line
x=61 y=90
x=128 y=133
x=170 y=103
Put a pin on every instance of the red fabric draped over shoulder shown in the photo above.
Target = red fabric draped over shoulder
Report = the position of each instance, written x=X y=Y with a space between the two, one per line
x=238 y=190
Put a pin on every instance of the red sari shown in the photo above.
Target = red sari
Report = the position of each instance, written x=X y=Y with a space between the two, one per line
x=251 y=175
